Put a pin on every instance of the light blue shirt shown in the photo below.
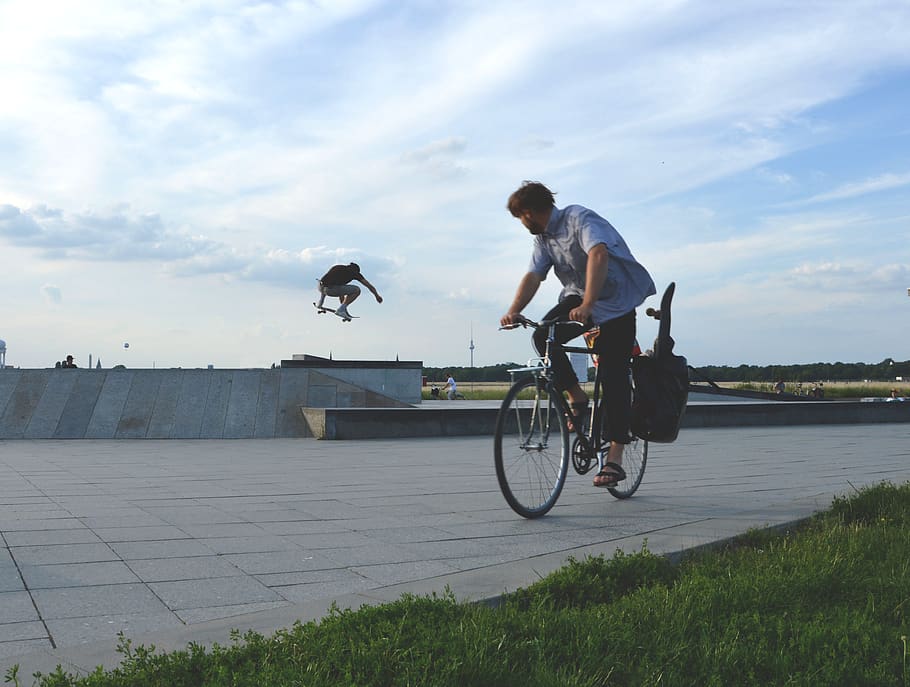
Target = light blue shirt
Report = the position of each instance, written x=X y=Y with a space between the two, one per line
x=570 y=234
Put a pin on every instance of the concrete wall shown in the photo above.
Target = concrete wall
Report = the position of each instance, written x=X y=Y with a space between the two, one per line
x=172 y=404
x=400 y=380
x=360 y=423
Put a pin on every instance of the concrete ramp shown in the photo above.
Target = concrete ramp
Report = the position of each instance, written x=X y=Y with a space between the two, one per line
x=170 y=404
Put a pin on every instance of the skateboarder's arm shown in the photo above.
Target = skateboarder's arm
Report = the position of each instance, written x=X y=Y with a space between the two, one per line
x=363 y=280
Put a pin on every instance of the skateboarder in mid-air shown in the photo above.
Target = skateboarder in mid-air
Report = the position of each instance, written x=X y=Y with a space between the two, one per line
x=337 y=282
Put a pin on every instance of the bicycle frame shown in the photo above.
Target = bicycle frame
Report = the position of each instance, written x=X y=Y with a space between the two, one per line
x=591 y=444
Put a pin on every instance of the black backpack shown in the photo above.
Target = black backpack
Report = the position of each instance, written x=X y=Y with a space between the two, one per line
x=661 y=383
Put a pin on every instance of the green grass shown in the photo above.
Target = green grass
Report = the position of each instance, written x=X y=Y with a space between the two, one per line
x=478 y=394
x=827 y=603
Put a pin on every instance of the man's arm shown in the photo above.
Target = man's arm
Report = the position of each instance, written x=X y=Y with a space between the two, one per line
x=526 y=290
x=598 y=262
x=363 y=280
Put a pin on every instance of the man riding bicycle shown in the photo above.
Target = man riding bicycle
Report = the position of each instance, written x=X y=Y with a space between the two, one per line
x=602 y=286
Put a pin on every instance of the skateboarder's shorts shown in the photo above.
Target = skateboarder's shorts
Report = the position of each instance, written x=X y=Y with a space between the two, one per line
x=341 y=290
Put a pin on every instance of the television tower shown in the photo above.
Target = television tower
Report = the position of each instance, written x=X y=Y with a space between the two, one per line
x=471 y=348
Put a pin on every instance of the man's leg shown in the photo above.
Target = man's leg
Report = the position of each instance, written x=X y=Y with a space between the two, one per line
x=351 y=294
x=614 y=346
x=348 y=295
x=563 y=374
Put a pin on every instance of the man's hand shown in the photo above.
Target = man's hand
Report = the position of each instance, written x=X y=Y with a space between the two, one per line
x=510 y=319
x=581 y=314
x=378 y=298
x=526 y=290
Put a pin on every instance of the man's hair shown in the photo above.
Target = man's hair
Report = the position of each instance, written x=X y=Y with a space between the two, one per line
x=532 y=195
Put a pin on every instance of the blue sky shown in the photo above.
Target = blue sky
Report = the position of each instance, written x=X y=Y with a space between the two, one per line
x=176 y=175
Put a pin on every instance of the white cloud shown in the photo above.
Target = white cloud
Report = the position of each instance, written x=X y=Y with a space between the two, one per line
x=854 y=276
x=113 y=236
x=883 y=182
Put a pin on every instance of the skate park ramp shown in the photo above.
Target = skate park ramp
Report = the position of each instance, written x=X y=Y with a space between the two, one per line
x=182 y=403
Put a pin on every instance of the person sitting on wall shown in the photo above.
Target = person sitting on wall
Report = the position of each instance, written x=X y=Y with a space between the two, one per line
x=69 y=362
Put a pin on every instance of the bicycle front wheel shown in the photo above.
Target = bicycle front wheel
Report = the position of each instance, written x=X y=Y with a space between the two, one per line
x=531 y=448
x=634 y=458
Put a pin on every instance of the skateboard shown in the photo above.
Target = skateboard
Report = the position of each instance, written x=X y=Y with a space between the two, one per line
x=322 y=309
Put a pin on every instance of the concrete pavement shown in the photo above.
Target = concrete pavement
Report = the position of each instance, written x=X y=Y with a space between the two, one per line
x=177 y=541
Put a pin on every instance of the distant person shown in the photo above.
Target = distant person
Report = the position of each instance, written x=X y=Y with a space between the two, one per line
x=894 y=393
x=58 y=365
x=820 y=391
x=69 y=362
x=779 y=387
x=337 y=282
x=451 y=388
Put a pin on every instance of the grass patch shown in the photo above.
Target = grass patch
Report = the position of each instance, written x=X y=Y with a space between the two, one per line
x=824 y=604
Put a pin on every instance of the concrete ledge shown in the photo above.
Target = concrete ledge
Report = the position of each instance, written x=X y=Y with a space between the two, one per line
x=380 y=423
x=794 y=413
x=377 y=423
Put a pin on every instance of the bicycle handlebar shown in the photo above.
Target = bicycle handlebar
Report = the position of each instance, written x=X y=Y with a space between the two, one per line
x=525 y=322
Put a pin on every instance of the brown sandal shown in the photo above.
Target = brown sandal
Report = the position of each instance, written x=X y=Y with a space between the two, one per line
x=612 y=473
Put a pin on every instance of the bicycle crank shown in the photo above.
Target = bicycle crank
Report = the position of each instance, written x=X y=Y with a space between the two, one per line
x=582 y=460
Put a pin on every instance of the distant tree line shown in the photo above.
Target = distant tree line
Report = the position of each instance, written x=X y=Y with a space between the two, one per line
x=888 y=369
x=489 y=373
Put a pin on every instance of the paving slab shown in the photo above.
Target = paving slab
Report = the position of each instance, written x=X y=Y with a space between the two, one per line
x=174 y=541
x=66 y=575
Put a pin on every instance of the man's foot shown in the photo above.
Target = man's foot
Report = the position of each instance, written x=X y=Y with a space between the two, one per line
x=614 y=454
x=611 y=475
x=342 y=311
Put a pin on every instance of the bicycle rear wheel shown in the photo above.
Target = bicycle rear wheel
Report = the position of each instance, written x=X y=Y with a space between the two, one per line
x=634 y=459
x=531 y=448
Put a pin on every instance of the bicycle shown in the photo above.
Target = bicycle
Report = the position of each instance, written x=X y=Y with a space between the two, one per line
x=531 y=443
x=438 y=394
